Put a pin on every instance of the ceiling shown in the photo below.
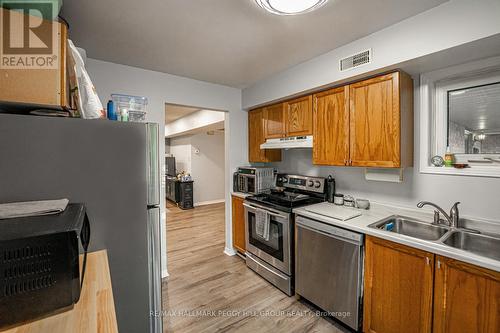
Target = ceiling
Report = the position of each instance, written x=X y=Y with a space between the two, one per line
x=174 y=112
x=477 y=109
x=230 y=42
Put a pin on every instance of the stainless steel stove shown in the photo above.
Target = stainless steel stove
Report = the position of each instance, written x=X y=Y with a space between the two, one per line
x=270 y=226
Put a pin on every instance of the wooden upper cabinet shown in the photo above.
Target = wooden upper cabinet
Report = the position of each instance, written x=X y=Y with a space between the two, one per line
x=256 y=138
x=466 y=298
x=398 y=288
x=298 y=116
x=381 y=121
x=331 y=127
x=238 y=217
x=274 y=121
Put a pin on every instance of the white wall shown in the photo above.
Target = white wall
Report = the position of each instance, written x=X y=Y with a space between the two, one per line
x=479 y=196
x=451 y=24
x=180 y=148
x=207 y=167
x=202 y=156
x=161 y=88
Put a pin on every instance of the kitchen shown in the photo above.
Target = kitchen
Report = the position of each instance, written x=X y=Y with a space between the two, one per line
x=395 y=100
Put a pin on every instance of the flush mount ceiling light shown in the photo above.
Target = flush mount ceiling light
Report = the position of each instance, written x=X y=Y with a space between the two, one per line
x=290 y=7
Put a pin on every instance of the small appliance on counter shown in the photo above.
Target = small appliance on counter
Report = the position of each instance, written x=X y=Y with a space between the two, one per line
x=39 y=264
x=270 y=225
x=253 y=180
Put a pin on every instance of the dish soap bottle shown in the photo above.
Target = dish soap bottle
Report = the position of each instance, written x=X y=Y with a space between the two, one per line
x=448 y=157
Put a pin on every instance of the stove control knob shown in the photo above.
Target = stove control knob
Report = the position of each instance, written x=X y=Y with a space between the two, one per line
x=310 y=183
x=284 y=180
x=317 y=184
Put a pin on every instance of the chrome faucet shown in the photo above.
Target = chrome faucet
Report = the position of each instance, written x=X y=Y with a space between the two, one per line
x=452 y=219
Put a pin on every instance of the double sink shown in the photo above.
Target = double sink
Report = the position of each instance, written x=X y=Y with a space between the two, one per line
x=458 y=238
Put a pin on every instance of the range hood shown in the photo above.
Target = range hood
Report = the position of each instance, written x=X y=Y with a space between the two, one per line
x=287 y=143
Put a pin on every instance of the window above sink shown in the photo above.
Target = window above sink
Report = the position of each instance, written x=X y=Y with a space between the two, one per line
x=460 y=114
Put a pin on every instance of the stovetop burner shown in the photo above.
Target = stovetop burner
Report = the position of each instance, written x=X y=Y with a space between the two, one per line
x=285 y=200
x=287 y=195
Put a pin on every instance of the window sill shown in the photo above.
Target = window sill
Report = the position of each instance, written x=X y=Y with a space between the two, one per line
x=473 y=171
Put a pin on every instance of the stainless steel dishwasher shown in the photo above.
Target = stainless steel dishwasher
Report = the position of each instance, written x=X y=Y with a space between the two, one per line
x=329 y=269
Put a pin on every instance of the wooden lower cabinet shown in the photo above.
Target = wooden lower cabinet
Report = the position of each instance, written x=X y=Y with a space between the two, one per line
x=238 y=218
x=398 y=287
x=466 y=298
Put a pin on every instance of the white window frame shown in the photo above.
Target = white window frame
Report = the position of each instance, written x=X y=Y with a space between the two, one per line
x=434 y=113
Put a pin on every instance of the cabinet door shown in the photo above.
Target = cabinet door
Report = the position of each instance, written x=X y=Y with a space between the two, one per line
x=398 y=288
x=238 y=224
x=375 y=122
x=331 y=127
x=298 y=116
x=256 y=138
x=274 y=121
x=466 y=298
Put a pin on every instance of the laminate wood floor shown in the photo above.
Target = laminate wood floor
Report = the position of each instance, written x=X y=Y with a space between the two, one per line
x=208 y=291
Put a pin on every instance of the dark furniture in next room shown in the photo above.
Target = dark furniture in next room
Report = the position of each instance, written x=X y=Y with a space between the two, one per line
x=186 y=195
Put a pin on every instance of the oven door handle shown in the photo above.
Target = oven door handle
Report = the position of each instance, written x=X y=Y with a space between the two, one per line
x=270 y=212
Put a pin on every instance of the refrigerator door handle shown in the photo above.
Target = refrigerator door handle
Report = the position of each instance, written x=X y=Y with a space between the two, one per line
x=155 y=301
x=153 y=165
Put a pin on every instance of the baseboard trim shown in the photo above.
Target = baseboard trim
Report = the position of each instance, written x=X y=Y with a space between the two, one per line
x=229 y=252
x=210 y=202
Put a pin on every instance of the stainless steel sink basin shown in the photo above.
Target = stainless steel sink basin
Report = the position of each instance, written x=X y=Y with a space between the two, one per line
x=411 y=227
x=482 y=245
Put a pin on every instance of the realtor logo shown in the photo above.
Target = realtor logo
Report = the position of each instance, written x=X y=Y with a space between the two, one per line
x=29 y=35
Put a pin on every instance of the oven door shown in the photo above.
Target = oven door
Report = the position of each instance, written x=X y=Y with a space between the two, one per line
x=276 y=250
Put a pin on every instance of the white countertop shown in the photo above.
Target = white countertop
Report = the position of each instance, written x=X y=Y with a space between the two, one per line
x=378 y=212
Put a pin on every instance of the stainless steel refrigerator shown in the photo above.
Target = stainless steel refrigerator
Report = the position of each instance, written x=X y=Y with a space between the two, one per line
x=111 y=167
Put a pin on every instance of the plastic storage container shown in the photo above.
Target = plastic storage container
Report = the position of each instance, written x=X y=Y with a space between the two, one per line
x=133 y=108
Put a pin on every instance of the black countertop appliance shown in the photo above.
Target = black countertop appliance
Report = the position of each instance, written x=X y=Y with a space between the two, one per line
x=39 y=264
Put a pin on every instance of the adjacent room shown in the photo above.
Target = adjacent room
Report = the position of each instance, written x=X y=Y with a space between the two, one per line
x=175 y=166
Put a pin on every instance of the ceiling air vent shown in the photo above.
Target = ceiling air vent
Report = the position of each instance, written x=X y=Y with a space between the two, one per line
x=356 y=60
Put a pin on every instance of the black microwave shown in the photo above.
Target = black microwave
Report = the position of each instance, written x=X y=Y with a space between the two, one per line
x=39 y=264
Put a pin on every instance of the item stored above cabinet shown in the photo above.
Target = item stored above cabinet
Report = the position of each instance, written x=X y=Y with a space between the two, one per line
x=35 y=81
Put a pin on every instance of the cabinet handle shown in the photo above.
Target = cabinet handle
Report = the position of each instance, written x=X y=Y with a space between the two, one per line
x=439 y=264
x=428 y=261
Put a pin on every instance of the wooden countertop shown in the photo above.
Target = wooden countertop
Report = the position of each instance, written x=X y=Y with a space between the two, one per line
x=94 y=312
